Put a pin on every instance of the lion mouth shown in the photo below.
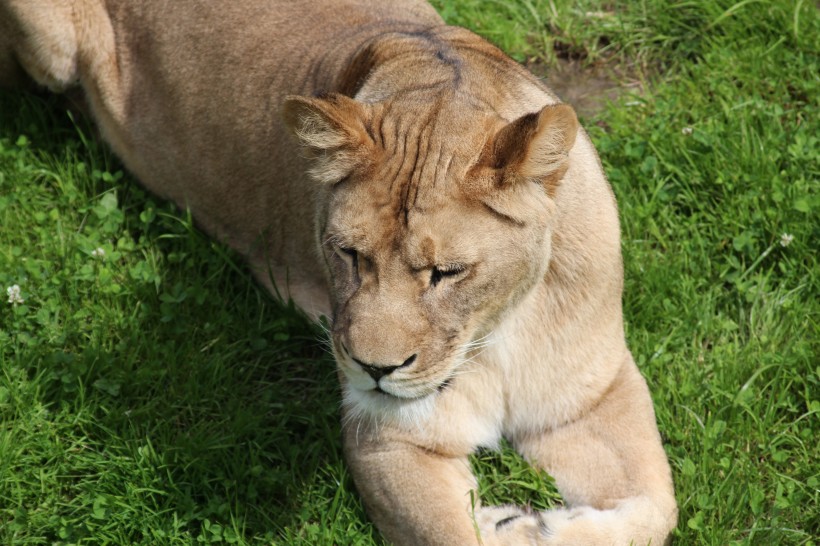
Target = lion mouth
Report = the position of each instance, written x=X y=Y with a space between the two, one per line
x=377 y=389
x=438 y=389
x=386 y=386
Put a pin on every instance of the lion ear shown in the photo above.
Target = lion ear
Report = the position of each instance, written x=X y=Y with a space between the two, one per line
x=333 y=129
x=535 y=147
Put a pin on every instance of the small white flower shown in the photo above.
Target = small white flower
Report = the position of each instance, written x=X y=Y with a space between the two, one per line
x=786 y=239
x=14 y=295
x=687 y=131
x=98 y=252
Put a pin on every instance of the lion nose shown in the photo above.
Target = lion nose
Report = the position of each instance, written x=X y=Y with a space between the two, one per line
x=377 y=372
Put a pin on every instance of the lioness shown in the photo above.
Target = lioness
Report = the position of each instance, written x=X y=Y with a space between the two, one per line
x=438 y=203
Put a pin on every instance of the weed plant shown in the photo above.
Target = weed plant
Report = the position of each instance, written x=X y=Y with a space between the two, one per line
x=151 y=393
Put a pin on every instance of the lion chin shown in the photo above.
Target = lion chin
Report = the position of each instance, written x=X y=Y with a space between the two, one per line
x=380 y=408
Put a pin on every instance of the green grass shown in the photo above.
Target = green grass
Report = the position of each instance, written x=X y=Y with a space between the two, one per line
x=155 y=395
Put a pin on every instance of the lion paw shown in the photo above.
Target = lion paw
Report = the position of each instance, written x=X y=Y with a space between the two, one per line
x=580 y=526
x=509 y=526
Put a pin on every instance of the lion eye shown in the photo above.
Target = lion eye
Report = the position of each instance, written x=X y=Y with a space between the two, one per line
x=440 y=272
x=348 y=254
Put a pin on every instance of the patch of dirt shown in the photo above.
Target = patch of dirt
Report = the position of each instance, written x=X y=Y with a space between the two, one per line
x=585 y=88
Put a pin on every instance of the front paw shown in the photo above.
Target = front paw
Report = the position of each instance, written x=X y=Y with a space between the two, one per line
x=509 y=526
x=637 y=522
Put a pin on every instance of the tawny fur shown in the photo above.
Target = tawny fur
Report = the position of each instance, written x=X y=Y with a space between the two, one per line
x=436 y=202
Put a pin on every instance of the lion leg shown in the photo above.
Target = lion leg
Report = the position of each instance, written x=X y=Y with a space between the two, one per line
x=612 y=471
x=62 y=44
x=413 y=495
x=41 y=36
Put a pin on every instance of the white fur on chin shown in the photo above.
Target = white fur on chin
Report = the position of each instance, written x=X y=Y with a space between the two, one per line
x=382 y=409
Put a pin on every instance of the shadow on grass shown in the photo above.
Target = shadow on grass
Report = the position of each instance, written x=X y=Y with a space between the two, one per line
x=188 y=399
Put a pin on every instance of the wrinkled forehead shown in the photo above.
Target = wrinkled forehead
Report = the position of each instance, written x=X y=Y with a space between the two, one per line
x=425 y=148
x=408 y=193
x=428 y=233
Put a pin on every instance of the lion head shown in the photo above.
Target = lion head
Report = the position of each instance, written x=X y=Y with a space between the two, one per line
x=435 y=220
